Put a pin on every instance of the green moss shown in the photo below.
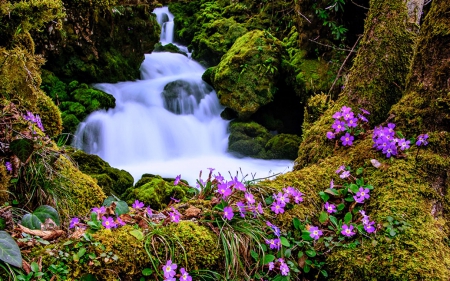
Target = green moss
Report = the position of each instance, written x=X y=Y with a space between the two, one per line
x=314 y=109
x=248 y=139
x=171 y=48
x=109 y=178
x=156 y=192
x=283 y=146
x=4 y=183
x=246 y=77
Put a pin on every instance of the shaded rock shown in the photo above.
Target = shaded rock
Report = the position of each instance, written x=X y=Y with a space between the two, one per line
x=248 y=139
x=283 y=146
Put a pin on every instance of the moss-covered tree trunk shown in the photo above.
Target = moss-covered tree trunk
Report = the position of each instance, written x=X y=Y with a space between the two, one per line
x=378 y=76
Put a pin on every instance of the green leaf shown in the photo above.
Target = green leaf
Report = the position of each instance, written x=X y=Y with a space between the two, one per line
x=88 y=277
x=81 y=252
x=34 y=267
x=267 y=259
x=359 y=170
x=340 y=207
x=333 y=219
x=287 y=253
x=306 y=268
x=324 y=273
x=43 y=212
x=332 y=191
x=323 y=217
x=9 y=251
x=31 y=221
x=108 y=201
x=137 y=234
x=370 y=187
x=2 y=223
x=296 y=223
x=310 y=253
x=324 y=196
x=348 y=218
x=147 y=271
x=354 y=188
x=300 y=254
x=284 y=242
x=22 y=148
x=254 y=255
x=121 y=208
x=306 y=236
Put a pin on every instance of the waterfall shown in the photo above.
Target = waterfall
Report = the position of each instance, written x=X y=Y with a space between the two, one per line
x=167 y=123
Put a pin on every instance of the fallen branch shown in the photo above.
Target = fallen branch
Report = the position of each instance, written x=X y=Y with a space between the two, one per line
x=48 y=235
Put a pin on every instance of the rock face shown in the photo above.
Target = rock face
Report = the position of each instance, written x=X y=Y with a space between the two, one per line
x=246 y=76
x=99 y=41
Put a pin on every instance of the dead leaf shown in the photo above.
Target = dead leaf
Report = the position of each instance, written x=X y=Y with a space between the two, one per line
x=192 y=212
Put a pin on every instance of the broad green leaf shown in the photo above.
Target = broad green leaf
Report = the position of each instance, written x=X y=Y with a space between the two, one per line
x=254 y=255
x=287 y=253
x=296 y=223
x=340 y=207
x=22 y=148
x=43 y=212
x=324 y=273
x=31 y=221
x=34 y=267
x=121 y=208
x=324 y=196
x=267 y=259
x=348 y=218
x=349 y=199
x=306 y=268
x=359 y=170
x=333 y=219
x=332 y=191
x=284 y=242
x=370 y=187
x=147 y=271
x=354 y=188
x=306 y=236
x=310 y=253
x=109 y=200
x=9 y=251
x=360 y=181
x=137 y=234
x=323 y=217
x=300 y=254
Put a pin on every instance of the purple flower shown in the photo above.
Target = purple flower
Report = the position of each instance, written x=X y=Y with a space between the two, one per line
x=119 y=221
x=175 y=199
x=422 y=140
x=174 y=215
x=330 y=135
x=108 y=222
x=219 y=178
x=74 y=222
x=137 y=204
x=185 y=275
x=211 y=169
x=364 y=111
x=369 y=228
x=241 y=207
x=259 y=209
x=169 y=269
x=404 y=144
x=284 y=269
x=347 y=230
x=345 y=174
x=338 y=126
x=390 y=150
x=363 y=193
x=347 y=139
x=149 y=211
x=271 y=265
x=331 y=184
x=315 y=232
x=277 y=208
x=331 y=208
x=177 y=180
x=390 y=128
x=359 y=200
x=337 y=115
x=8 y=166
x=282 y=198
x=228 y=213
x=348 y=115
x=224 y=190
x=298 y=197
x=99 y=211
x=39 y=122
x=352 y=122
x=274 y=243
x=249 y=198
x=362 y=118
x=340 y=169
x=275 y=229
x=238 y=185
x=346 y=109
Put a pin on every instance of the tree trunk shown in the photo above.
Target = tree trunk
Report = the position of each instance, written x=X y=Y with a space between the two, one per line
x=378 y=76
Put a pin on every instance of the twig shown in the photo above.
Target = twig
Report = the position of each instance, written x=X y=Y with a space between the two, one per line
x=361 y=5
x=329 y=46
x=342 y=66
x=303 y=16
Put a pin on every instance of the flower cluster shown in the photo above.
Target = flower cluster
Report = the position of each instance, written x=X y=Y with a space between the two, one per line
x=36 y=119
x=385 y=139
x=342 y=172
x=280 y=265
x=170 y=273
x=282 y=198
x=422 y=140
x=347 y=230
x=368 y=225
x=346 y=121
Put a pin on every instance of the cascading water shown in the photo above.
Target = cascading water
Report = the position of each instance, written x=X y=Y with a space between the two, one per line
x=167 y=123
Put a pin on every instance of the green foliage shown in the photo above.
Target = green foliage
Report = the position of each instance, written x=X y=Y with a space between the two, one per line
x=9 y=251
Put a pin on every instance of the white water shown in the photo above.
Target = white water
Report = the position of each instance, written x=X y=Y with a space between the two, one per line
x=182 y=134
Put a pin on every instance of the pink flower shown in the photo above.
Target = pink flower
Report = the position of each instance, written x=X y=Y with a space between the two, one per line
x=228 y=213
x=108 y=222
x=169 y=269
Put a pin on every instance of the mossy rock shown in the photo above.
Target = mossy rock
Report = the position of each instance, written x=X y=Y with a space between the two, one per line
x=208 y=74
x=216 y=39
x=246 y=76
x=4 y=183
x=248 y=139
x=109 y=178
x=155 y=191
x=171 y=48
x=283 y=146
